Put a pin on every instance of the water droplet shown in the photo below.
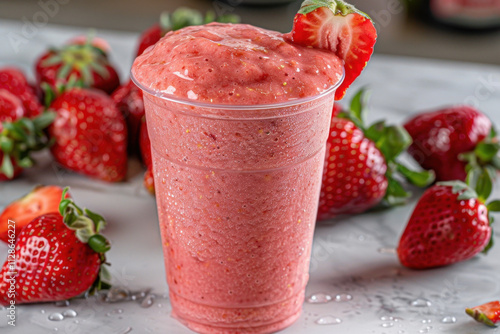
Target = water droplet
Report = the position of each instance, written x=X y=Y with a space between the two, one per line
x=76 y=321
x=420 y=302
x=319 y=298
x=139 y=295
x=114 y=312
x=328 y=320
x=343 y=297
x=62 y=303
x=384 y=250
x=42 y=311
x=159 y=305
x=148 y=301
x=426 y=321
x=387 y=324
x=125 y=330
x=401 y=331
x=425 y=329
x=70 y=313
x=117 y=294
x=56 y=329
x=386 y=318
x=56 y=317
x=449 y=320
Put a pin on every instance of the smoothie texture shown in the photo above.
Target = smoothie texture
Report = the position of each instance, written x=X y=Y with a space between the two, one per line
x=235 y=64
x=238 y=119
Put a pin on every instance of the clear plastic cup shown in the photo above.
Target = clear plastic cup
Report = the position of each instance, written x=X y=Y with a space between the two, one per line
x=237 y=191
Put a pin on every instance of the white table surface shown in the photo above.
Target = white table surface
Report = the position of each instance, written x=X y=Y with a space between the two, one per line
x=347 y=256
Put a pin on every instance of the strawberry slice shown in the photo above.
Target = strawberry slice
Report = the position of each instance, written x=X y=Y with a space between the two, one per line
x=41 y=200
x=340 y=28
x=488 y=314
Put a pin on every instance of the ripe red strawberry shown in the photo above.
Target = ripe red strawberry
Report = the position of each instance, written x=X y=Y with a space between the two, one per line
x=441 y=137
x=128 y=99
x=90 y=134
x=14 y=81
x=450 y=223
x=19 y=135
x=360 y=165
x=339 y=27
x=41 y=200
x=180 y=18
x=488 y=314
x=85 y=62
x=145 y=145
x=58 y=256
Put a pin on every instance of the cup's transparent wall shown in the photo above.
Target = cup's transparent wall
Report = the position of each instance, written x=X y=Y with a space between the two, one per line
x=237 y=193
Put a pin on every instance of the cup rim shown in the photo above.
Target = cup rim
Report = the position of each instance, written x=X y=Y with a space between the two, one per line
x=172 y=98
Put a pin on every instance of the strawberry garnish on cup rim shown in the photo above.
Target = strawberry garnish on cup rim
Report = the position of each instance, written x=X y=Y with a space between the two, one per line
x=339 y=27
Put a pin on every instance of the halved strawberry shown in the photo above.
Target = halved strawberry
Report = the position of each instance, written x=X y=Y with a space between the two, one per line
x=41 y=200
x=488 y=314
x=339 y=27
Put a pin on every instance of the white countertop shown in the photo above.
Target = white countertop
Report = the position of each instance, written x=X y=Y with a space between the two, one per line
x=349 y=255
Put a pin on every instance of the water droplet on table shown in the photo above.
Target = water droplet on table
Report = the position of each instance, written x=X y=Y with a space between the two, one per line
x=117 y=294
x=425 y=329
x=70 y=314
x=62 y=303
x=328 y=320
x=386 y=318
x=387 y=324
x=343 y=297
x=56 y=317
x=319 y=298
x=426 y=321
x=449 y=320
x=125 y=330
x=420 y=302
x=148 y=301
x=115 y=311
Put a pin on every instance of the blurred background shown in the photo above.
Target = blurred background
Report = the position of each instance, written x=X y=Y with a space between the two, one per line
x=465 y=30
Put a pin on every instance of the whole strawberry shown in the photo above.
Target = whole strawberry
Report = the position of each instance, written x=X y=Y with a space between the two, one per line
x=86 y=62
x=58 y=256
x=145 y=145
x=338 y=27
x=180 y=18
x=361 y=163
x=450 y=141
x=488 y=314
x=128 y=99
x=450 y=223
x=89 y=134
x=41 y=200
x=19 y=135
x=14 y=81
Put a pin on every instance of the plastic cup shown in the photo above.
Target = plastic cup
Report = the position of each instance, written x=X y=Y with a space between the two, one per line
x=237 y=191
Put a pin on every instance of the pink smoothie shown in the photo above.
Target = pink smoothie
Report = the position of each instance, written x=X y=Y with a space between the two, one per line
x=237 y=180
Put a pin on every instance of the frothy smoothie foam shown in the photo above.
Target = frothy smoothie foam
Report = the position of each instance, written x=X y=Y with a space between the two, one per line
x=238 y=118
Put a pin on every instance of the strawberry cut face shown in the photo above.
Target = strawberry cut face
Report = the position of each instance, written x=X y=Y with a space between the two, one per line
x=340 y=28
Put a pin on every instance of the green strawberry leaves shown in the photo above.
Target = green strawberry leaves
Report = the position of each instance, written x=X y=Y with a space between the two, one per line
x=338 y=7
x=183 y=17
x=87 y=225
x=420 y=179
x=20 y=138
x=392 y=141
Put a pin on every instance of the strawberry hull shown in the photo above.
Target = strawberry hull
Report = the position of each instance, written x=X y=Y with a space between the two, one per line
x=237 y=186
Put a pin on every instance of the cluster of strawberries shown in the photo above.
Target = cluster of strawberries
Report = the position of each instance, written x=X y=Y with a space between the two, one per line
x=456 y=146
x=92 y=121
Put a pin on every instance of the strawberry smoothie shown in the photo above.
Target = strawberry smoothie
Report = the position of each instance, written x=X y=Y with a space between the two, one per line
x=238 y=119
